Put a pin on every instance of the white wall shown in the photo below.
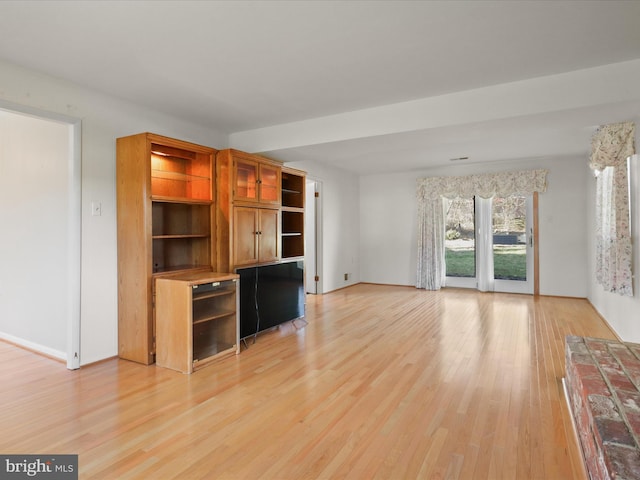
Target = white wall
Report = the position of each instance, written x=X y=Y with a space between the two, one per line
x=622 y=313
x=104 y=119
x=340 y=224
x=388 y=228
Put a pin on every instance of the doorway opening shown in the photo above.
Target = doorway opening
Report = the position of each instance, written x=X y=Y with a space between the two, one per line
x=40 y=190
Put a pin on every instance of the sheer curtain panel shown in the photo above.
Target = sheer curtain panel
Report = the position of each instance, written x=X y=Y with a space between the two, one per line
x=484 y=229
x=431 y=267
x=611 y=146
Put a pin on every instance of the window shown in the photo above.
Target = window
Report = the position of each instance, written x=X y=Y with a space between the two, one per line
x=460 y=238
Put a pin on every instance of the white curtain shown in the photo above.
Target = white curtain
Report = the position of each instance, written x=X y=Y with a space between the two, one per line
x=611 y=145
x=431 y=269
x=484 y=229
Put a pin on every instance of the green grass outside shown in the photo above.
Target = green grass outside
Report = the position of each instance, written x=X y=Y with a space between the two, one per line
x=508 y=263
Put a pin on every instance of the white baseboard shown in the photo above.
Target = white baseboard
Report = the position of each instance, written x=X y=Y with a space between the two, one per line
x=36 y=347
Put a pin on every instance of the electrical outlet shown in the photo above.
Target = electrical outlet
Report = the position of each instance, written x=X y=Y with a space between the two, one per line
x=346 y=276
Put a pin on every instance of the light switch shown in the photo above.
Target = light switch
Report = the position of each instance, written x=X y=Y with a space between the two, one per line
x=96 y=209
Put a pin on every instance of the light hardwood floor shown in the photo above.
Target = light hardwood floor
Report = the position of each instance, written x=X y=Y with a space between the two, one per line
x=383 y=382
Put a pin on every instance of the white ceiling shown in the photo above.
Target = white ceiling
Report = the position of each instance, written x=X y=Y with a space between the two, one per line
x=243 y=66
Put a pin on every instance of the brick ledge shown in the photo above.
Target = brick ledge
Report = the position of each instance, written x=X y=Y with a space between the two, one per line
x=602 y=379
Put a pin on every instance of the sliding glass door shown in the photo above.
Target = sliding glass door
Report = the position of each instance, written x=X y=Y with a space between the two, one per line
x=489 y=243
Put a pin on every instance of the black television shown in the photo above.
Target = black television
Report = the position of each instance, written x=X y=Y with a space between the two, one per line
x=270 y=295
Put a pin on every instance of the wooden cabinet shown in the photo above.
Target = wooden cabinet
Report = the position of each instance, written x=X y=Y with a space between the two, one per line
x=256 y=236
x=292 y=213
x=248 y=206
x=197 y=319
x=165 y=219
x=255 y=180
x=187 y=210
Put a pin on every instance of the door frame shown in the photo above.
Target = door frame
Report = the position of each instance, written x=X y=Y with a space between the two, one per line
x=313 y=219
x=529 y=286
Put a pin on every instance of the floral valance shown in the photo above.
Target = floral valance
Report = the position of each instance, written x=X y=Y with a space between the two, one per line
x=486 y=185
x=612 y=144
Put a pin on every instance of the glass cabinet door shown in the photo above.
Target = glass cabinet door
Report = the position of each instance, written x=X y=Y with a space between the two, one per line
x=246 y=180
x=269 y=184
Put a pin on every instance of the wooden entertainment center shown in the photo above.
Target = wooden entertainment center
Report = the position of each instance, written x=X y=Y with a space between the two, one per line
x=189 y=215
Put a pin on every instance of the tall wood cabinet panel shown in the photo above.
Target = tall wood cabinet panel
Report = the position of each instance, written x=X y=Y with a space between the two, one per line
x=248 y=209
x=165 y=218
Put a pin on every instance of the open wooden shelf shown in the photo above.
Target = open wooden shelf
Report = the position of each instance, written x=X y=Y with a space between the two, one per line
x=162 y=231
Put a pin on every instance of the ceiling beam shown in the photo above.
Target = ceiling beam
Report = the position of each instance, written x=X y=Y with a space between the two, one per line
x=603 y=85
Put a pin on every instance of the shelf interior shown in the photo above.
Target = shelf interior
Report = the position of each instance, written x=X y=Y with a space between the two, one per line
x=176 y=252
x=292 y=190
x=159 y=272
x=213 y=316
x=217 y=293
x=181 y=173
x=213 y=337
x=180 y=219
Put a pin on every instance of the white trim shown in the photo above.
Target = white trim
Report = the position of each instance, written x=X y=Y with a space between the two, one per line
x=36 y=347
x=74 y=246
x=310 y=237
x=319 y=237
x=461 y=282
x=522 y=286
